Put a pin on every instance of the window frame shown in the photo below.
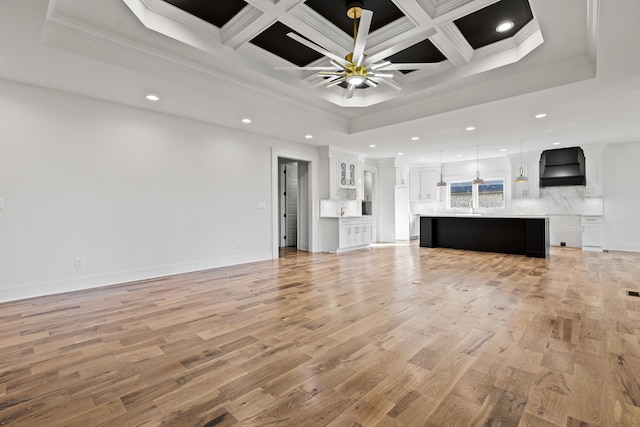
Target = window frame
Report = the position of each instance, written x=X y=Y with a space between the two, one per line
x=475 y=193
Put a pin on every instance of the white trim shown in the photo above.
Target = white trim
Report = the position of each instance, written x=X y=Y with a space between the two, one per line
x=475 y=194
x=593 y=16
x=277 y=153
x=67 y=284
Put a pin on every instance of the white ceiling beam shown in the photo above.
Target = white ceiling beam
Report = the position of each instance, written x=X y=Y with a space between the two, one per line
x=412 y=10
x=243 y=27
x=450 y=41
x=393 y=46
x=456 y=9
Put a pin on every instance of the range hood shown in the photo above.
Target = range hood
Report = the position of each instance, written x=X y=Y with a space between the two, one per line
x=564 y=166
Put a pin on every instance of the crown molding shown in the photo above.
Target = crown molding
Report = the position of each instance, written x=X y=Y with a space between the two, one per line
x=162 y=17
x=68 y=34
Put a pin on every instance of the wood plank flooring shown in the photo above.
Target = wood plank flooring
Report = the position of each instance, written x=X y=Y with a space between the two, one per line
x=392 y=336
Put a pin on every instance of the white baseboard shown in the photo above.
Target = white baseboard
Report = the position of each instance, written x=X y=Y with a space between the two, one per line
x=622 y=248
x=76 y=283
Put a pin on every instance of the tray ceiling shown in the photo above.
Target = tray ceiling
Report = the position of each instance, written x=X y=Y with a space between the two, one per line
x=459 y=36
x=218 y=74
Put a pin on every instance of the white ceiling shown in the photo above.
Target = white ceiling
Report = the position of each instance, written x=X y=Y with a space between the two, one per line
x=585 y=77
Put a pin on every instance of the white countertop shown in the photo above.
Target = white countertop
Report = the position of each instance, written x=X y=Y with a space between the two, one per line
x=345 y=216
x=462 y=215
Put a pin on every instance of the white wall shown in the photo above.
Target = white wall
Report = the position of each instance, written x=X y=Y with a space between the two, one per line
x=133 y=193
x=621 y=194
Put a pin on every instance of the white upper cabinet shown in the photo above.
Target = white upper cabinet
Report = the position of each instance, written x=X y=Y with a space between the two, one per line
x=414 y=185
x=422 y=185
x=348 y=174
x=341 y=174
x=402 y=176
x=593 y=172
x=531 y=169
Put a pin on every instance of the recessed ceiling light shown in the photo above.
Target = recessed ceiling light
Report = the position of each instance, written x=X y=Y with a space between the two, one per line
x=556 y=143
x=400 y=154
x=471 y=128
x=422 y=160
x=541 y=116
x=458 y=155
x=505 y=26
x=246 y=121
x=503 y=149
x=372 y=145
x=152 y=97
x=308 y=136
x=415 y=138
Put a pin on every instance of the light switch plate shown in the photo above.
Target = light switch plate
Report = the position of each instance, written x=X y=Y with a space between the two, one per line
x=1 y=204
x=262 y=205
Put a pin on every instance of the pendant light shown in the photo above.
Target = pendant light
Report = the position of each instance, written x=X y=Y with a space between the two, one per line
x=521 y=177
x=478 y=180
x=441 y=183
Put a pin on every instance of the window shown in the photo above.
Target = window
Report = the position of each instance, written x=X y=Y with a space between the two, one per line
x=490 y=195
x=460 y=194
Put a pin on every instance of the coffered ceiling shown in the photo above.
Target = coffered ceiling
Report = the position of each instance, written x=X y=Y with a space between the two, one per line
x=457 y=37
x=575 y=60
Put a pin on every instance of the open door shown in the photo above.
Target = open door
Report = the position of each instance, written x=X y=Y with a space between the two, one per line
x=289 y=204
x=292 y=214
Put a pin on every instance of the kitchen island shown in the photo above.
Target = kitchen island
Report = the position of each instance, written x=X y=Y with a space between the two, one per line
x=510 y=235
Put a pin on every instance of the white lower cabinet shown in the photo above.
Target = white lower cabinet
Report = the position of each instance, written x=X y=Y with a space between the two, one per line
x=592 y=233
x=367 y=231
x=344 y=234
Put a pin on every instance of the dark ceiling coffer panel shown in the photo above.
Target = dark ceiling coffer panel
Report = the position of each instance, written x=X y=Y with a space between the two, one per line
x=564 y=166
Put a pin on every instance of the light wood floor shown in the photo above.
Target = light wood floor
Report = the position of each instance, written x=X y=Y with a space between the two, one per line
x=392 y=336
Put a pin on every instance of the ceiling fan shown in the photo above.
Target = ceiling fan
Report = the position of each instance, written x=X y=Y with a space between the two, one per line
x=355 y=69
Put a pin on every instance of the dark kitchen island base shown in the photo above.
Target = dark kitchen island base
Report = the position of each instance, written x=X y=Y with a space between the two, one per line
x=518 y=235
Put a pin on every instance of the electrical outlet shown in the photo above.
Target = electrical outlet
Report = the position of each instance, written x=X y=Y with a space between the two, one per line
x=79 y=263
x=239 y=245
x=1 y=204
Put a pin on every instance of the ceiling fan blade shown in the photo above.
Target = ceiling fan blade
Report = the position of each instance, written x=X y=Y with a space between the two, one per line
x=336 y=81
x=318 y=49
x=339 y=66
x=379 y=65
x=327 y=68
x=332 y=73
x=314 y=81
x=350 y=91
x=387 y=82
x=389 y=75
x=361 y=38
x=414 y=66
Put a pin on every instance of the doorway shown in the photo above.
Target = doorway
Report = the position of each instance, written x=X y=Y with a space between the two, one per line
x=293 y=205
x=288 y=204
x=370 y=199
